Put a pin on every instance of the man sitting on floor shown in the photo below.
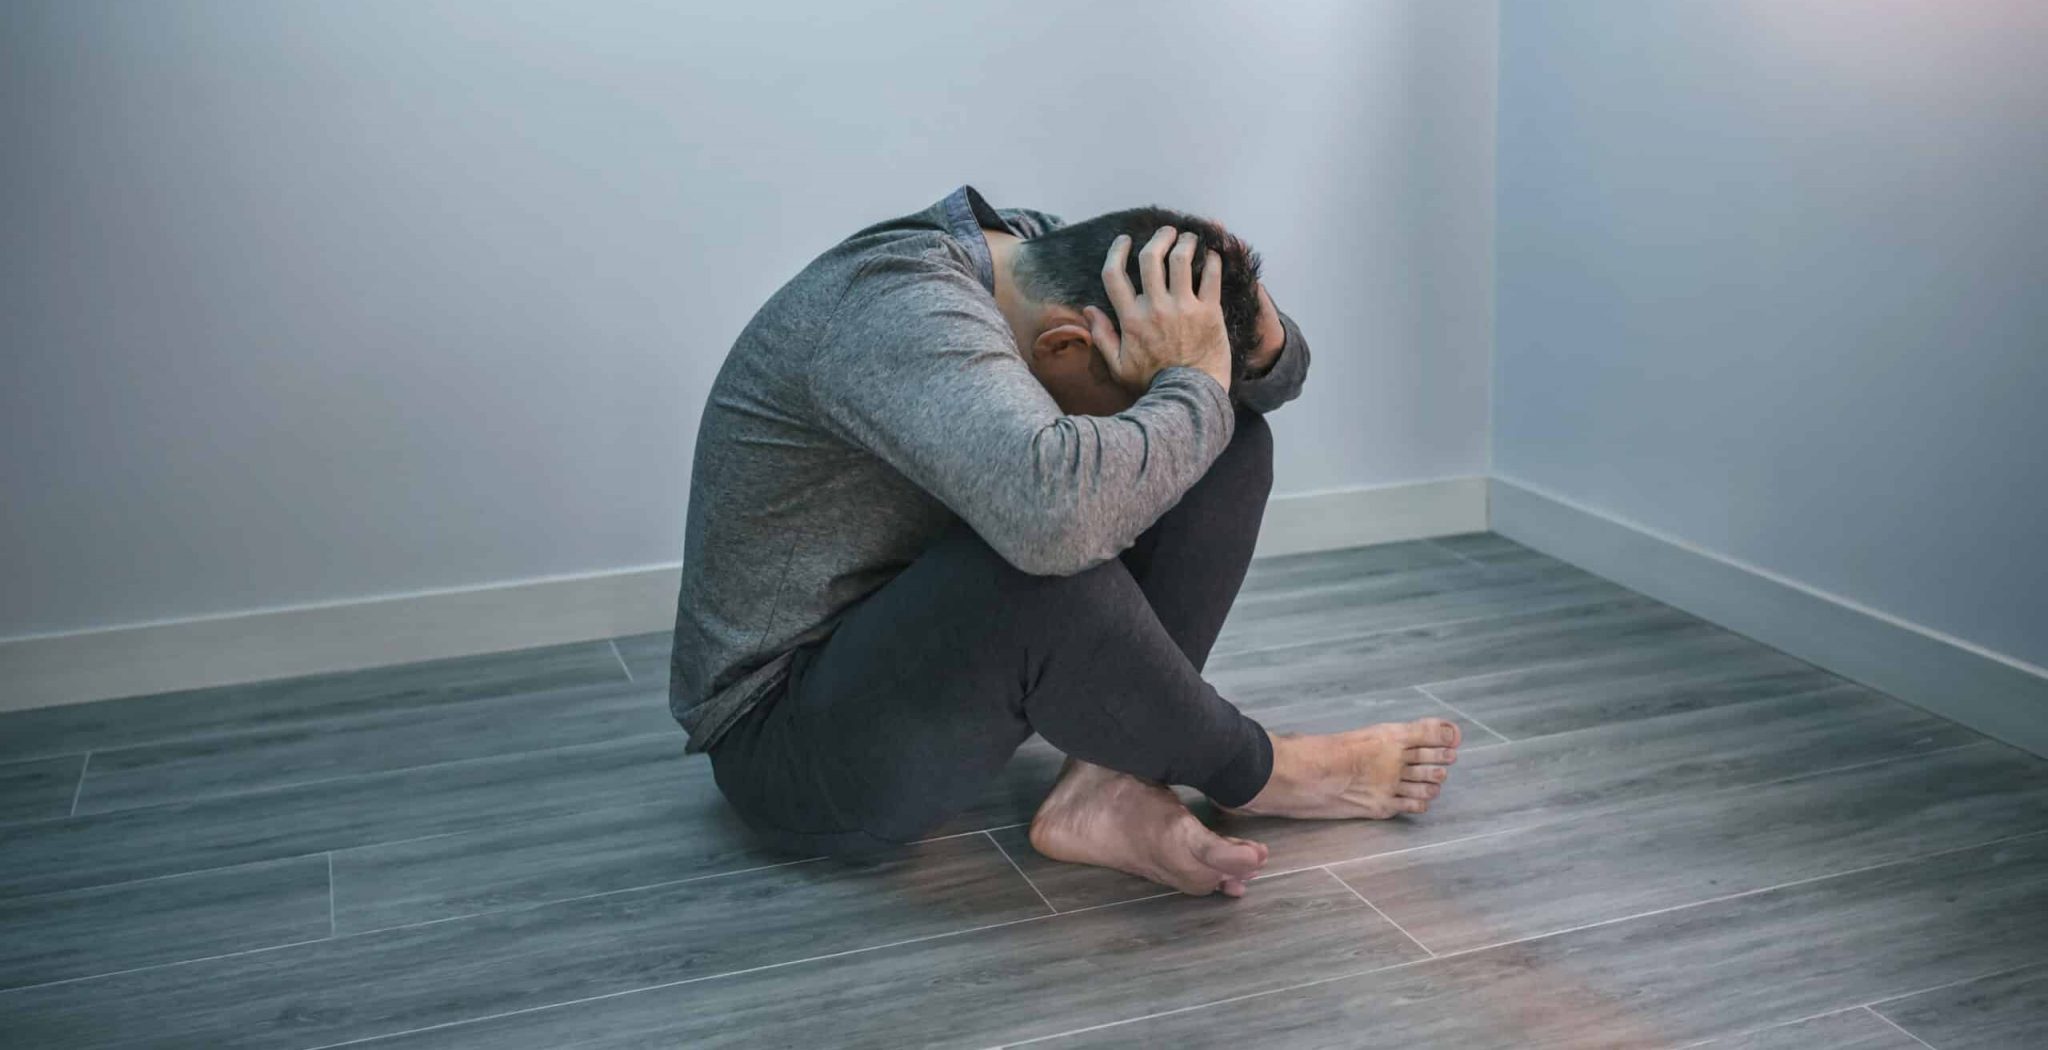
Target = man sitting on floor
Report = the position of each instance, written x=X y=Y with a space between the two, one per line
x=970 y=476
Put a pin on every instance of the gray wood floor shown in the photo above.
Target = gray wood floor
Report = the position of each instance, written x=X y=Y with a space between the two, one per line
x=1661 y=834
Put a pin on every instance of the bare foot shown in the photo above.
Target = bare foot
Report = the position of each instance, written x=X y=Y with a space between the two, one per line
x=1114 y=820
x=1374 y=772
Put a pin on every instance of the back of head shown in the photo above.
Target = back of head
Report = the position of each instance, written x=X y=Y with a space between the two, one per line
x=1065 y=266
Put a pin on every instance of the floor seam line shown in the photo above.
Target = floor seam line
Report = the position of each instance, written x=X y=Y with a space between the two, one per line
x=1727 y=645
x=5 y=992
x=1898 y=1028
x=621 y=658
x=1019 y=868
x=1455 y=553
x=1460 y=840
x=1873 y=1004
x=388 y=929
x=1461 y=714
x=466 y=915
x=369 y=774
x=1637 y=600
x=79 y=790
x=1426 y=949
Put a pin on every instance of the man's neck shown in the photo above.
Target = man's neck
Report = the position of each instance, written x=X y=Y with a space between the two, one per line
x=1022 y=313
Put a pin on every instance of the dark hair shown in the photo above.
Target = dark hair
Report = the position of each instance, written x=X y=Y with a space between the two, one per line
x=1065 y=267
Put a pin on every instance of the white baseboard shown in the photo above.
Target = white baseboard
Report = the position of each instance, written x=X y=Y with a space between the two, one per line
x=345 y=636
x=1992 y=693
x=1326 y=521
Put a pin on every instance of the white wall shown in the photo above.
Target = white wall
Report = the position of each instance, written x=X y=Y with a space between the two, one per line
x=1773 y=281
x=313 y=302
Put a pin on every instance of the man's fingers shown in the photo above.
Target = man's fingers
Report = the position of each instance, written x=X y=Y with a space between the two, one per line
x=1152 y=263
x=1103 y=331
x=1180 y=270
x=1114 y=278
x=1212 y=279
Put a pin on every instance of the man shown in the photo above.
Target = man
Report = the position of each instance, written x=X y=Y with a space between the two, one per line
x=974 y=474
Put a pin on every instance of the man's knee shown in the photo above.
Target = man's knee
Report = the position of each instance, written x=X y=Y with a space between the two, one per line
x=1239 y=480
x=969 y=559
x=1247 y=462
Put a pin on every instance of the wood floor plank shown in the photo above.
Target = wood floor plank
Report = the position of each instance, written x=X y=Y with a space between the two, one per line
x=1668 y=979
x=1687 y=848
x=1572 y=777
x=356 y=741
x=100 y=849
x=1317 y=568
x=1411 y=599
x=1857 y=1029
x=1487 y=547
x=690 y=832
x=2007 y=1011
x=61 y=936
x=1393 y=659
x=1645 y=681
x=48 y=731
x=990 y=986
x=38 y=788
x=356 y=987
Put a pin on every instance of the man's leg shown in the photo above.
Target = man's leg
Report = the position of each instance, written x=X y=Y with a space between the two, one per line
x=1191 y=562
x=1190 y=565
x=927 y=686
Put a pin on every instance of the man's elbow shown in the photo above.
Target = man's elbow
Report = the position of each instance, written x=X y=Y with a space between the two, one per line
x=1055 y=545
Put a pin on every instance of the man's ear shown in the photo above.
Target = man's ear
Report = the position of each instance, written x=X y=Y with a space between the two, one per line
x=1056 y=344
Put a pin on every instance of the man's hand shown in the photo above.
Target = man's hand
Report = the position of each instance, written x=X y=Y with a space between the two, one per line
x=1172 y=323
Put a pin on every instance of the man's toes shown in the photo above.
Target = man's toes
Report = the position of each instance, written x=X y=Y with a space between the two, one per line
x=1433 y=732
x=1412 y=805
x=1232 y=858
x=1430 y=756
x=1259 y=846
x=1410 y=789
x=1424 y=774
x=1232 y=887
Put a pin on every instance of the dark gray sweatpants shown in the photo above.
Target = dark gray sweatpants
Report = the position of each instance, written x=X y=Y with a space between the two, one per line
x=898 y=719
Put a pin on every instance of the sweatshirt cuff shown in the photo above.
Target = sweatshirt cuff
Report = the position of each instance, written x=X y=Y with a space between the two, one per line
x=1282 y=382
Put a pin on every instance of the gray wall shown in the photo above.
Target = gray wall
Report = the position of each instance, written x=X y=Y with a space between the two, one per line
x=1773 y=280
x=312 y=302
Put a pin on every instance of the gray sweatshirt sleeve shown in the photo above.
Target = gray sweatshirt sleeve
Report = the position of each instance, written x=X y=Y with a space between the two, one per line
x=918 y=368
x=1282 y=382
